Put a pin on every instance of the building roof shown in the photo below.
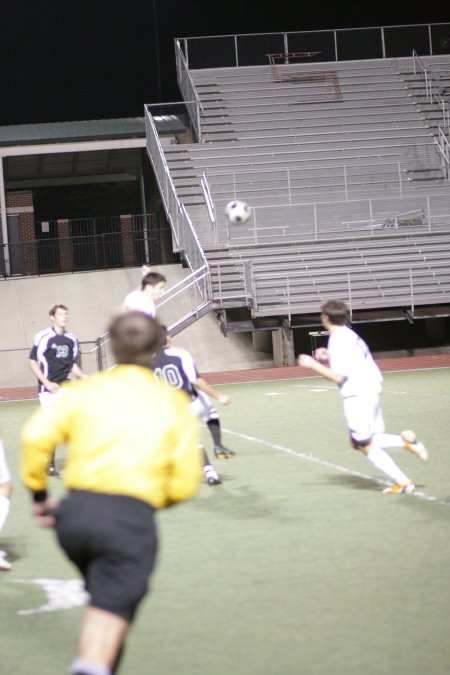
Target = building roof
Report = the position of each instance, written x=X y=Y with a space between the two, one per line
x=62 y=153
x=63 y=132
x=85 y=130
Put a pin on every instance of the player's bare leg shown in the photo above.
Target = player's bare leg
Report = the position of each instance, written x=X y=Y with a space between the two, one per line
x=5 y=502
x=101 y=640
x=407 y=440
x=384 y=463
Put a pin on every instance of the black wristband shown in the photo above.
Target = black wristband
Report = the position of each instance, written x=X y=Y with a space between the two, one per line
x=39 y=496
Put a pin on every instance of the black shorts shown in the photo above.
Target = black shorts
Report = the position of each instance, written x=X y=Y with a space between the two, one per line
x=112 y=540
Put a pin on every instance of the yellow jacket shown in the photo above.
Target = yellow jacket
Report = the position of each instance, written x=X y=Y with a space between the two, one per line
x=127 y=433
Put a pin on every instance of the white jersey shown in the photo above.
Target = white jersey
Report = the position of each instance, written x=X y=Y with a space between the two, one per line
x=138 y=301
x=350 y=357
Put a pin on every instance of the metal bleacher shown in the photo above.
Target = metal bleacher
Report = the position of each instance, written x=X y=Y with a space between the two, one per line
x=349 y=189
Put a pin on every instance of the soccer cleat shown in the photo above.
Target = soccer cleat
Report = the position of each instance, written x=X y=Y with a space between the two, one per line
x=399 y=488
x=212 y=477
x=411 y=443
x=52 y=471
x=223 y=453
x=4 y=564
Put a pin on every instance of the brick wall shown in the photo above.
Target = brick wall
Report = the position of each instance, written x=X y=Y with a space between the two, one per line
x=21 y=203
x=19 y=200
x=126 y=228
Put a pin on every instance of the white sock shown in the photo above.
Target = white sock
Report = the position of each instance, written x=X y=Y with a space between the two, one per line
x=4 y=510
x=87 y=668
x=388 y=440
x=383 y=462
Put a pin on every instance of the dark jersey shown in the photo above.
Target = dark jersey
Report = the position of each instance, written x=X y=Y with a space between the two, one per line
x=55 y=355
x=176 y=367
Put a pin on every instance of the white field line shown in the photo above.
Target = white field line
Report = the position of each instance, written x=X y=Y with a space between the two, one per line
x=18 y=400
x=336 y=467
x=386 y=391
x=318 y=377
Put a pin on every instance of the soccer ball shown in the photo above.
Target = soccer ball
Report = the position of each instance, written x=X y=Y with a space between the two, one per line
x=238 y=212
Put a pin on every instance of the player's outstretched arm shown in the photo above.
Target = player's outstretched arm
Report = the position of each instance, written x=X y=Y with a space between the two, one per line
x=202 y=384
x=307 y=361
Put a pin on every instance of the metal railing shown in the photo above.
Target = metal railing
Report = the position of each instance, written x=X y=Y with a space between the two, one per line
x=444 y=148
x=405 y=288
x=167 y=190
x=184 y=233
x=94 y=355
x=286 y=184
x=231 y=280
x=186 y=301
x=344 y=44
x=321 y=220
x=82 y=252
x=432 y=92
x=190 y=95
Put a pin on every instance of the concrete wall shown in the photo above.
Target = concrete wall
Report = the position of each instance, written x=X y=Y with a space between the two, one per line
x=92 y=297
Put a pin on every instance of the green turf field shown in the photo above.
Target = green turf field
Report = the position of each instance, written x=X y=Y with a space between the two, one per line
x=296 y=565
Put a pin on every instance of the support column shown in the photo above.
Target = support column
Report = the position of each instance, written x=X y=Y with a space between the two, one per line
x=4 y=220
x=283 y=347
x=126 y=228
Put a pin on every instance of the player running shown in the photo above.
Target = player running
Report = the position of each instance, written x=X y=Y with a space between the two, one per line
x=176 y=367
x=353 y=369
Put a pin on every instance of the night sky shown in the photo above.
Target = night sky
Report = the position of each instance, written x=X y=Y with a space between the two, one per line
x=64 y=60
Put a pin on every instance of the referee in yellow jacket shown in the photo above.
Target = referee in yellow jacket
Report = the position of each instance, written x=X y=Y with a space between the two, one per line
x=132 y=449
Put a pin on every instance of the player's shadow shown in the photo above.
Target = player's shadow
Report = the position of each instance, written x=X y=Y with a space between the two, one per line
x=354 y=482
x=238 y=502
x=10 y=547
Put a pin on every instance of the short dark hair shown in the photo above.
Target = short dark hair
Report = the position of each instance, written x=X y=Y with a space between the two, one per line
x=151 y=279
x=135 y=337
x=53 y=309
x=164 y=335
x=336 y=311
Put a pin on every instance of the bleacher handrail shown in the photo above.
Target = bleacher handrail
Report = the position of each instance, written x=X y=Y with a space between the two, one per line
x=443 y=144
x=190 y=94
x=345 y=284
x=167 y=189
x=193 y=250
x=255 y=235
x=433 y=94
x=289 y=42
x=210 y=205
x=286 y=176
x=184 y=233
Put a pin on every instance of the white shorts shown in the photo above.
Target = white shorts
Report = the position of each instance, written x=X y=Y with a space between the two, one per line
x=202 y=407
x=46 y=398
x=5 y=476
x=364 y=417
